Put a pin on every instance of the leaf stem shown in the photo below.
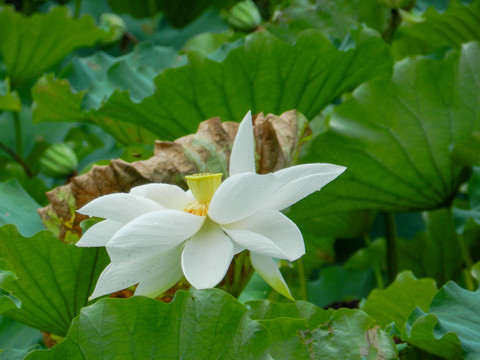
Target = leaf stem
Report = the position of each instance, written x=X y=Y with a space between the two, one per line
x=78 y=4
x=391 y=236
x=17 y=158
x=303 y=279
x=395 y=21
x=376 y=265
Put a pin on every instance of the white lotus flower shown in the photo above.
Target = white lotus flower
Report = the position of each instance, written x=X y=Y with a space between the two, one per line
x=158 y=233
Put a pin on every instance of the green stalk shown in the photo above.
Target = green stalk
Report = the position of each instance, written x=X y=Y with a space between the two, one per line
x=376 y=265
x=78 y=4
x=391 y=236
x=395 y=22
x=303 y=279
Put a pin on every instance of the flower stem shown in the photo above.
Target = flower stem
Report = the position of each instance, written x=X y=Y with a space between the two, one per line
x=376 y=265
x=303 y=279
x=391 y=236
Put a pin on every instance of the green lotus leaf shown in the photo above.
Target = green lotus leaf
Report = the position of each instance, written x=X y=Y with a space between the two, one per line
x=435 y=30
x=31 y=45
x=264 y=75
x=396 y=303
x=395 y=137
x=207 y=324
x=53 y=280
x=451 y=327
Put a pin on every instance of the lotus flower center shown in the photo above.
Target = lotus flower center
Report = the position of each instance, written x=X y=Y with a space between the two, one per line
x=203 y=186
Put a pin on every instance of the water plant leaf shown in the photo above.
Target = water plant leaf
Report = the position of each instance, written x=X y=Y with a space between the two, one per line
x=451 y=327
x=17 y=207
x=396 y=303
x=31 y=45
x=264 y=75
x=435 y=30
x=395 y=136
x=207 y=324
x=52 y=280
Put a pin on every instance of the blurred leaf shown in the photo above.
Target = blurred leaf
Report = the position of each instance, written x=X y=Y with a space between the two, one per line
x=31 y=45
x=207 y=324
x=17 y=207
x=337 y=285
x=364 y=258
x=467 y=153
x=179 y=13
x=53 y=279
x=435 y=253
x=8 y=100
x=452 y=323
x=458 y=25
x=332 y=18
x=248 y=79
x=266 y=310
x=15 y=335
x=394 y=137
x=396 y=303
x=462 y=216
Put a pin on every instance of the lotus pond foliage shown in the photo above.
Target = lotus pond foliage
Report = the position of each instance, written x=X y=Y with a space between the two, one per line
x=217 y=242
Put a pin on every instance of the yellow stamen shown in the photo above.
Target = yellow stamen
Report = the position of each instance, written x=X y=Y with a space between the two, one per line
x=197 y=208
x=203 y=187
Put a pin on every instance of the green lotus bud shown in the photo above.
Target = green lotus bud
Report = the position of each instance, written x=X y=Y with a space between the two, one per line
x=58 y=160
x=114 y=25
x=243 y=16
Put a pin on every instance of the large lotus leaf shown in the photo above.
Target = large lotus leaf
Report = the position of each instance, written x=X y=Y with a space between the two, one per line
x=15 y=335
x=17 y=207
x=266 y=74
x=395 y=136
x=8 y=100
x=349 y=334
x=435 y=253
x=52 y=281
x=337 y=284
x=332 y=18
x=206 y=324
x=451 y=324
x=396 y=303
x=31 y=45
x=463 y=215
x=434 y=30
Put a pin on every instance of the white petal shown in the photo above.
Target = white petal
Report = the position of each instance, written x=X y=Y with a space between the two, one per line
x=242 y=195
x=242 y=158
x=166 y=273
x=100 y=234
x=119 y=276
x=269 y=233
x=300 y=181
x=157 y=231
x=268 y=270
x=207 y=256
x=169 y=196
x=119 y=207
